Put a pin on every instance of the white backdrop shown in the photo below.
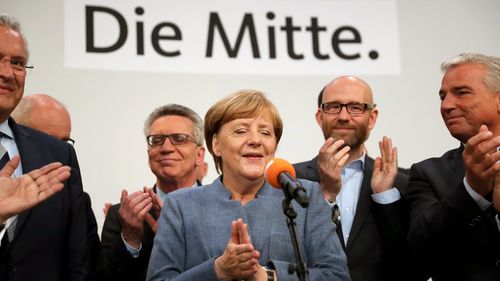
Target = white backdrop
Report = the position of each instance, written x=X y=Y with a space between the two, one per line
x=108 y=108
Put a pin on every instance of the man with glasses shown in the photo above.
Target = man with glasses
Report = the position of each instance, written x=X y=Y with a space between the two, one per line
x=49 y=241
x=354 y=184
x=46 y=114
x=174 y=137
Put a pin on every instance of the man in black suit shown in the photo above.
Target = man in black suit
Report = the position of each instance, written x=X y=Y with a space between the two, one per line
x=174 y=135
x=453 y=225
x=45 y=113
x=360 y=189
x=47 y=242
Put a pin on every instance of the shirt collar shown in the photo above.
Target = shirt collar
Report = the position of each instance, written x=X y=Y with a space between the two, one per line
x=358 y=164
x=6 y=130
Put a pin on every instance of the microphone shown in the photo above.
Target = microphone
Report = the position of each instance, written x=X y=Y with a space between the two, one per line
x=281 y=174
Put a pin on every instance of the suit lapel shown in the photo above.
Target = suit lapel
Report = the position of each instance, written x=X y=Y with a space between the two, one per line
x=312 y=170
x=30 y=160
x=456 y=162
x=363 y=208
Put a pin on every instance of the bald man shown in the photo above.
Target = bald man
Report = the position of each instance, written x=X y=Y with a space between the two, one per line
x=44 y=113
x=364 y=193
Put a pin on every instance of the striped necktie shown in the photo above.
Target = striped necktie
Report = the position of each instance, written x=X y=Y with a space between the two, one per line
x=4 y=156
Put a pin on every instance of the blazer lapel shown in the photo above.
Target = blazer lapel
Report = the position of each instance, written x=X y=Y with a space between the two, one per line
x=312 y=170
x=30 y=160
x=364 y=202
x=456 y=162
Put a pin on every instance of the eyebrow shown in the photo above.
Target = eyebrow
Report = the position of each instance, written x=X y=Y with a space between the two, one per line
x=461 y=88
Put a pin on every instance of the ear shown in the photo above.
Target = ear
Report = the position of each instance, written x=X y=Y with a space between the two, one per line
x=373 y=118
x=319 y=117
x=498 y=99
x=215 y=145
x=200 y=155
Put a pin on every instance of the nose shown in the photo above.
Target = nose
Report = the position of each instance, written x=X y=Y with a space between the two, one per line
x=167 y=146
x=343 y=114
x=6 y=70
x=254 y=138
x=448 y=103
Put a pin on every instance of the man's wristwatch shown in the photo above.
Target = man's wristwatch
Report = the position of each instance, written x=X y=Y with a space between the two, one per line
x=270 y=273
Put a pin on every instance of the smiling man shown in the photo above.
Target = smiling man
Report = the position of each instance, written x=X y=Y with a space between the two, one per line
x=174 y=135
x=356 y=185
x=453 y=225
x=47 y=242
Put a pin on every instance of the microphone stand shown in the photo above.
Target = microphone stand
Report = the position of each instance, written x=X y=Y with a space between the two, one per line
x=290 y=213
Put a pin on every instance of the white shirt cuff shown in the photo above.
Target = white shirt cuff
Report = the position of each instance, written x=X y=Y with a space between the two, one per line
x=133 y=251
x=480 y=200
x=387 y=197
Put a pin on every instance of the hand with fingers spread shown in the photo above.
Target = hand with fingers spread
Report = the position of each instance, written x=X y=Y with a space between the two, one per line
x=157 y=206
x=240 y=260
x=385 y=168
x=20 y=194
x=332 y=157
x=133 y=210
x=480 y=160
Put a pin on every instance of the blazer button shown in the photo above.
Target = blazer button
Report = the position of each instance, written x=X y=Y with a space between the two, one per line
x=475 y=221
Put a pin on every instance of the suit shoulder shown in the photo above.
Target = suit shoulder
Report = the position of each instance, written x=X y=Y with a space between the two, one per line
x=429 y=162
x=186 y=192
x=302 y=165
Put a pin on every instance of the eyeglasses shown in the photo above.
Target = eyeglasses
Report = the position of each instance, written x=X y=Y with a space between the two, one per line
x=69 y=140
x=18 y=65
x=175 y=139
x=353 y=108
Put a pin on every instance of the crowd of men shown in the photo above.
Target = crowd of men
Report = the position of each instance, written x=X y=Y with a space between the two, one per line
x=438 y=220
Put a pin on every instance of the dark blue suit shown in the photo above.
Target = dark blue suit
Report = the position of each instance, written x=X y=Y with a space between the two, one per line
x=50 y=241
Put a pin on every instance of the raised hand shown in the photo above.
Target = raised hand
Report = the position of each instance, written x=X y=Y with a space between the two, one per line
x=332 y=158
x=480 y=160
x=24 y=192
x=385 y=168
x=133 y=210
x=157 y=206
x=240 y=260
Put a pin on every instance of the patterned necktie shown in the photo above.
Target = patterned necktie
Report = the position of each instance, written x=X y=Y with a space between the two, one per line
x=336 y=214
x=4 y=156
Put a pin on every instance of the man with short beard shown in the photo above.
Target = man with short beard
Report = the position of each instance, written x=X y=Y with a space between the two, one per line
x=364 y=192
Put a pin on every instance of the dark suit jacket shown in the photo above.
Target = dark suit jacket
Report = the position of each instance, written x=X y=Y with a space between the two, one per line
x=115 y=261
x=370 y=256
x=447 y=227
x=50 y=241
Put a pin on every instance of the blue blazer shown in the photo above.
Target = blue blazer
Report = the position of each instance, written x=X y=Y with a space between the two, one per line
x=51 y=239
x=195 y=226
